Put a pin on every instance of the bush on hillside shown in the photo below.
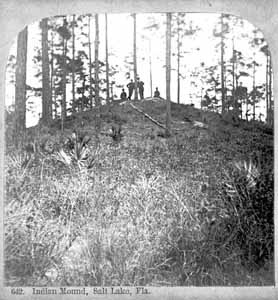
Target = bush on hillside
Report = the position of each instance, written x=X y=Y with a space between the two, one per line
x=249 y=199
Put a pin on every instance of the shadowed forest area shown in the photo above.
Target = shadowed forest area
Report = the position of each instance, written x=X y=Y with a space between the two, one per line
x=139 y=151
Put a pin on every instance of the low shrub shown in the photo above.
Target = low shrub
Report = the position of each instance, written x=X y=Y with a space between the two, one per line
x=249 y=199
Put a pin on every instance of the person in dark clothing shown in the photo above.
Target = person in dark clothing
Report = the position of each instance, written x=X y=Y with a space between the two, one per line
x=207 y=98
x=141 y=88
x=156 y=93
x=123 y=95
x=130 y=87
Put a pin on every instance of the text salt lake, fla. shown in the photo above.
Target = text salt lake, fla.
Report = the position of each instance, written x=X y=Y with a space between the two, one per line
x=95 y=290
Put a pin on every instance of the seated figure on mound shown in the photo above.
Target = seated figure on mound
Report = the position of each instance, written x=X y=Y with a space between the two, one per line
x=123 y=95
x=156 y=93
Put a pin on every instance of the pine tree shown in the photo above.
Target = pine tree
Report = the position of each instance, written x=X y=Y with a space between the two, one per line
x=90 y=62
x=270 y=100
x=222 y=66
x=46 y=88
x=83 y=64
x=73 y=64
x=181 y=31
x=20 y=83
x=178 y=57
x=107 y=60
x=52 y=77
x=265 y=50
x=97 y=98
x=65 y=36
x=152 y=26
x=168 y=74
x=256 y=43
x=135 y=57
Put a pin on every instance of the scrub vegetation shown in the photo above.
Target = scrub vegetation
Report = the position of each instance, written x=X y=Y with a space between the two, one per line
x=126 y=206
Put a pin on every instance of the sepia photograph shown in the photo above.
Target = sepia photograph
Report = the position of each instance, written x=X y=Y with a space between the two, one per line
x=139 y=153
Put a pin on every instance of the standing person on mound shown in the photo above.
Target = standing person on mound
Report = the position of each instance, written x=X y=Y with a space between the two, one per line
x=130 y=87
x=123 y=95
x=141 y=88
x=156 y=93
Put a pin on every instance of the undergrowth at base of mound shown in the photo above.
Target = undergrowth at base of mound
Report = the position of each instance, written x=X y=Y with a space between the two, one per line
x=193 y=209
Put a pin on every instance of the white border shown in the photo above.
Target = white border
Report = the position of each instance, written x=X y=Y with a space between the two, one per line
x=15 y=14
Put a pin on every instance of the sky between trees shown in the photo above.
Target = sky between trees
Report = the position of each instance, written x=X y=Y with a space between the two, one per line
x=199 y=56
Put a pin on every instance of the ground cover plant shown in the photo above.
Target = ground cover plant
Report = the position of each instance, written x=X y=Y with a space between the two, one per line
x=135 y=208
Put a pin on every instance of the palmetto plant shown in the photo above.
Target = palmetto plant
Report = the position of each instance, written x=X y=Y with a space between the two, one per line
x=76 y=152
x=248 y=170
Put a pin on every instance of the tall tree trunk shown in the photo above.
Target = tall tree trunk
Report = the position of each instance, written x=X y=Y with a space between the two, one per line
x=247 y=108
x=178 y=60
x=46 y=91
x=112 y=92
x=222 y=66
x=240 y=101
x=135 y=57
x=20 y=83
x=254 y=89
x=271 y=113
x=107 y=60
x=168 y=74
x=55 y=105
x=52 y=84
x=201 y=102
x=90 y=63
x=266 y=89
x=83 y=93
x=73 y=64
x=235 y=102
x=97 y=99
x=53 y=76
x=64 y=83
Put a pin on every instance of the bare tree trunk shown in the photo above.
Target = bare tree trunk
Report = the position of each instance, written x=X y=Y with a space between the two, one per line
x=73 y=64
x=271 y=113
x=52 y=84
x=178 y=60
x=240 y=100
x=20 y=83
x=222 y=65
x=46 y=91
x=53 y=75
x=90 y=63
x=235 y=103
x=55 y=105
x=168 y=75
x=107 y=61
x=135 y=57
x=64 y=83
x=266 y=89
x=247 y=106
x=83 y=93
x=97 y=99
x=201 y=102
x=254 y=89
x=112 y=91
